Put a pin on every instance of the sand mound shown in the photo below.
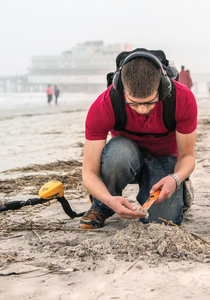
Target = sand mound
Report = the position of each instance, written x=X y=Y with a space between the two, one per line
x=152 y=243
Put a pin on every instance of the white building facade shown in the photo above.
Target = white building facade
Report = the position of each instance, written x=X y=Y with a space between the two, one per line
x=82 y=69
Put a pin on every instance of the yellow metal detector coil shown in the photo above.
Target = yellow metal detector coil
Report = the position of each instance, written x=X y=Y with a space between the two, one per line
x=50 y=189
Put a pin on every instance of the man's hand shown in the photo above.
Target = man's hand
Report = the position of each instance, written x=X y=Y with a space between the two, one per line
x=167 y=185
x=124 y=208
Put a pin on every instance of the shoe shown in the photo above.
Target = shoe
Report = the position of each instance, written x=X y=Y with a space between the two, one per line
x=93 y=219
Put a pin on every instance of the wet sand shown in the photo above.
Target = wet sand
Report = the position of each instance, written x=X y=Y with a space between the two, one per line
x=44 y=254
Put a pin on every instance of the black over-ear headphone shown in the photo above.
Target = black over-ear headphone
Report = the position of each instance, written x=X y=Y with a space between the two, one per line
x=165 y=86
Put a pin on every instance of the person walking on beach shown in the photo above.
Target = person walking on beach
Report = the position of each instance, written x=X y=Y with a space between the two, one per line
x=189 y=80
x=183 y=76
x=49 y=92
x=145 y=152
x=57 y=93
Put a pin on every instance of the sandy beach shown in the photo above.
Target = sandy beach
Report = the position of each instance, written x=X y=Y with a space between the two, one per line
x=45 y=255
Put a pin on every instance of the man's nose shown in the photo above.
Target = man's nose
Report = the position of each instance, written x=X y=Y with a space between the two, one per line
x=142 y=109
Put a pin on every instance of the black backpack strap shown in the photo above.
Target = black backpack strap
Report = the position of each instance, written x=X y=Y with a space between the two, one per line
x=169 y=108
x=118 y=104
x=140 y=134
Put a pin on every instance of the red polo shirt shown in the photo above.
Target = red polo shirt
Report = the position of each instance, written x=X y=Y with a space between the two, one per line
x=101 y=120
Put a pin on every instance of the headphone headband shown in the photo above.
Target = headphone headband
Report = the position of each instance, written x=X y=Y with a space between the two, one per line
x=148 y=55
x=165 y=84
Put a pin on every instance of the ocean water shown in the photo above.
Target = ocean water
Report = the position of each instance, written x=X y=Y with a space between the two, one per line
x=32 y=132
x=14 y=104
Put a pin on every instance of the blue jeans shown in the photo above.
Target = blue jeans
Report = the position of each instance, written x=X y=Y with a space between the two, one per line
x=123 y=162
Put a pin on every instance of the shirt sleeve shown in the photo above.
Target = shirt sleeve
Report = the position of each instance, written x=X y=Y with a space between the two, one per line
x=100 y=119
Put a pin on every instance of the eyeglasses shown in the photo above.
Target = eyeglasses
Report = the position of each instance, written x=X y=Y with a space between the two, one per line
x=133 y=103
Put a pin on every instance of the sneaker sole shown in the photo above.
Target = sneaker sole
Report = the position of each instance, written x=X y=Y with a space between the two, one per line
x=85 y=226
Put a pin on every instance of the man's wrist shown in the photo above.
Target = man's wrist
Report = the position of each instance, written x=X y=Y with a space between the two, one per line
x=176 y=178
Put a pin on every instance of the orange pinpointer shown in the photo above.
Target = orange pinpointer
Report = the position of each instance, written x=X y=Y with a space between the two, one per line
x=154 y=196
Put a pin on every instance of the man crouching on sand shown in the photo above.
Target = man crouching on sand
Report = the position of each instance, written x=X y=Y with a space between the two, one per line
x=155 y=158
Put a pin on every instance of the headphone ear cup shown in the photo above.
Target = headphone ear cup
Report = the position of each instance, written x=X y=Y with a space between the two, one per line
x=117 y=83
x=165 y=87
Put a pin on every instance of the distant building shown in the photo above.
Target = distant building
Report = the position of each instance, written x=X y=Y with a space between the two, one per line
x=82 y=69
x=14 y=84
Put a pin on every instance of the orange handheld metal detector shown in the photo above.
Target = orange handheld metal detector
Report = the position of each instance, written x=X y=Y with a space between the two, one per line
x=51 y=190
x=146 y=206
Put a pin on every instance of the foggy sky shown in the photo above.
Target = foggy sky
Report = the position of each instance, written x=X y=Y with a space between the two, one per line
x=181 y=28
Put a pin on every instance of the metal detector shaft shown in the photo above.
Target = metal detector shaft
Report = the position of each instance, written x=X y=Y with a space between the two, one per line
x=48 y=191
x=13 y=205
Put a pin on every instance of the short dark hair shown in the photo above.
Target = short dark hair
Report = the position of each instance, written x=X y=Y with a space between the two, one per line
x=140 y=77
